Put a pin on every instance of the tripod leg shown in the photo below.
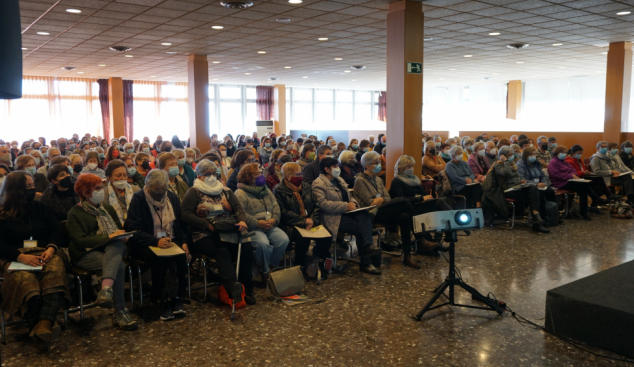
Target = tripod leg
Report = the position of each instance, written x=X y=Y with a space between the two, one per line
x=480 y=297
x=440 y=291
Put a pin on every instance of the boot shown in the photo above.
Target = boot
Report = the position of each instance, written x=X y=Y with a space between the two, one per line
x=44 y=332
x=540 y=228
x=265 y=277
x=408 y=260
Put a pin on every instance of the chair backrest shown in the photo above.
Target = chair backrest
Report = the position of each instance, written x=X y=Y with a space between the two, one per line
x=586 y=161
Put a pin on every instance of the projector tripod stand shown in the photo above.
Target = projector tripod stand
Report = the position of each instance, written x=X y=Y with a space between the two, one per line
x=451 y=281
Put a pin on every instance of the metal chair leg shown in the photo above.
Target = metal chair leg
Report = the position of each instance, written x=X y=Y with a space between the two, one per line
x=138 y=269
x=129 y=269
x=513 y=216
x=189 y=282
x=81 y=298
x=204 y=263
x=2 y=326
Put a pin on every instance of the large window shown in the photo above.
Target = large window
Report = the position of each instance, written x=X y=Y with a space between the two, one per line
x=160 y=108
x=302 y=105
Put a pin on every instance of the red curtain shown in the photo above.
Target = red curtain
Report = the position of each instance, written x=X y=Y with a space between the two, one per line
x=264 y=102
x=128 y=115
x=105 y=107
x=383 y=106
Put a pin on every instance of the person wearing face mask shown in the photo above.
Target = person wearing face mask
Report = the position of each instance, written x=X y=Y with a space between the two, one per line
x=262 y=216
x=530 y=170
x=467 y=145
x=76 y=163
x=92 y=166
x=462 y=177
x=299 y=209
x=231 y=148
x=575 y=159
x=250 y=146
x=185 y=172
x=307 y=155
x=241 y=158
x=371 y=140
x=112 y=153
x=613 y=172
x=26 y=163
x=281 y=143
x=380 y=145
x=444 y=152
x=166 y=147
x=142 y=161
x=225 y=159
x=5 y=156
x=364 y=147
x=311 y=171
x=118 y=192
x=155 y=212
x=543 y=151
x=134 y=177
x=334 y=200
x=30 y=235
x=214 y=142
x=354 y=145
x=90 y=224
x=626 y=154
x=613 y=148
x=552 y=144
x=256 y=141
x=293 y=150
x=275 y=171
x=61 y=195
x=561 y=172
x=4 y=171
x=265 y=150
x=517 y=153
x=478 y=163
x=490 y=152
x=370 y=191
x=350 y=167
x=39 y=159
x=128 y=149
x=190 y=158
x=433 y=164
x=205 y=202
x=169 y=163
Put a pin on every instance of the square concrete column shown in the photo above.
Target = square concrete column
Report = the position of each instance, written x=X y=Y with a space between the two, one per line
x=117 y=117
x=618 y=80
x=404 y=84
x=514 y=100
x=279 y=109
x=198 y=100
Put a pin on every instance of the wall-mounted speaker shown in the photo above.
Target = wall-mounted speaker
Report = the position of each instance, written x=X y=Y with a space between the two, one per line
x=10 y=50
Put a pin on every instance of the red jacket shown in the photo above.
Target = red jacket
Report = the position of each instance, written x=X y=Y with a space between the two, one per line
x=577 y=164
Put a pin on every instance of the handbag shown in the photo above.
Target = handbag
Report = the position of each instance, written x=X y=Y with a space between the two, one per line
x=224 y=224
x=286 y=282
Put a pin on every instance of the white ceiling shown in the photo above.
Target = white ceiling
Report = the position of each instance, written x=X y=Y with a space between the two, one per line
x=356 y=31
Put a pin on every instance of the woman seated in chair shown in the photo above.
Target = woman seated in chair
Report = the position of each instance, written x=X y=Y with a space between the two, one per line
x=118 y=191
x=299 y=209
x=155 y=213
x=530 y=170
x=575 y=159
x=561 y=172
x=507 y=177
x=208 y=201
x=275 y=170
x=478 y=162
x=369 y=190
x=350 y=167
x=334 y=201
x=30 y=234
x=60 y=195
x=91 y=224
x=263 y=217
x=169 y=164
x=462 y=178
x=433 y=164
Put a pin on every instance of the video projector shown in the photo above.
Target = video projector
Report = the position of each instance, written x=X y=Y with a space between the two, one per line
x=449 y=220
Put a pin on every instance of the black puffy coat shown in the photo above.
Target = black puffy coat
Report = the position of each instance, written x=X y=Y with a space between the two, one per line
x=289 y=206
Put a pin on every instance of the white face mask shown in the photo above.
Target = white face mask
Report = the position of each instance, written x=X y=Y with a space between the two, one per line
x=97 y=197
x=190 y=160
x=223 y=153
x=92 y=166
x=210 y=181
x=409 y=172
x=121 y=184
x=336 y=172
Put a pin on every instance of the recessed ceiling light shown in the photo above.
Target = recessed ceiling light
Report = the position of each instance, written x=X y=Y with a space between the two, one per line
x=468 y=55
x=217 y=27
x=452 y=69
x=322 y=39
x=80 y=72
x=295 y=1
x=262 y=52
x=215 y=62
x=102 y=65
x=283 y=20
x=624 y=13
x=120 y=48
x=305 y=77
x=287 y=67
x=338 y=58
x=557 y=44
x=166 y=44
x=247 y=73
x=494 y=34
x=152 y=76
x=43 y=33
x=604 y=53
x=215 y=79
x=74 y=11
x=520 y=62
x=428 y=39
x=346 y=71
x=24 y=48
x=128 y=56
x=171 y=52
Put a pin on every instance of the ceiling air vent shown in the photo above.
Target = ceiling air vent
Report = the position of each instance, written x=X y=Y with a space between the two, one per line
x=120 y=48
x=358 y=67
x=68 y=68
x=236 y=4
x=273 y=79
x=517 y=46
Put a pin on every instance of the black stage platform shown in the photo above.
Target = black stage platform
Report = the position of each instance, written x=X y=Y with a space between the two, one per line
x=597 y=310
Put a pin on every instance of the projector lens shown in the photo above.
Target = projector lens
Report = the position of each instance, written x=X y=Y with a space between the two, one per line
x=463 y=218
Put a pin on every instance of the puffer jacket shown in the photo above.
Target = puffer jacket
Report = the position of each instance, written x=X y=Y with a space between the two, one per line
x=602 y=165
x=255 y=209
x=506 y=174
x=330 y=201
x=289 y=206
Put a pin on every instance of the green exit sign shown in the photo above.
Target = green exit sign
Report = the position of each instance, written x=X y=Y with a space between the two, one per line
x=414 y=67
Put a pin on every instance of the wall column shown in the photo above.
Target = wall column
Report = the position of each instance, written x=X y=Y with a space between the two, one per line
x=618 y=80
x=279 y=109
x=117 y=119
x=404 y=90
x=514 y=100
x=198 y=101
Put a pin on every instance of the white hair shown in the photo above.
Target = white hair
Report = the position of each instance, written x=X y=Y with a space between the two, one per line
x=157 y=178
x=369 y=158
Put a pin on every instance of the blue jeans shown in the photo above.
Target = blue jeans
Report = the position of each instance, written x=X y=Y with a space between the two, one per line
x=269 y=247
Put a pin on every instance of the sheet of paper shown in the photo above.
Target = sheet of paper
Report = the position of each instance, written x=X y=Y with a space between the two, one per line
x=542 y=188
x=509 y=190
x=473 y=183
x=579 y=180
x=625 y=173
x=172 y=251
x=364 y=208
x=315 y=232
x=18 y=266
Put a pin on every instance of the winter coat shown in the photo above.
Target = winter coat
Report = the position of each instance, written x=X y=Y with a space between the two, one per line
x=330 y=201
x=255 y=209
x=289 y=207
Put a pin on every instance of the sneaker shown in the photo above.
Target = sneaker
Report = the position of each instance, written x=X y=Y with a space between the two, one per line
x=249 y=298
x=236 y=292
x=178 y=308
x=166 y=311
x=123 y=320
x=104 y=298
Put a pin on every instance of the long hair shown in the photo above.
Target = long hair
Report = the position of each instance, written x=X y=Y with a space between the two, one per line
x=13 y=196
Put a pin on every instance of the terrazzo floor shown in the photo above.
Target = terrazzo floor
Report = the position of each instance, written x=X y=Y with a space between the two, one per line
x=368 y=320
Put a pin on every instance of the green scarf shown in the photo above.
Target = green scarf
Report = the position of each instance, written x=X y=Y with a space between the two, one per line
x=260 y=192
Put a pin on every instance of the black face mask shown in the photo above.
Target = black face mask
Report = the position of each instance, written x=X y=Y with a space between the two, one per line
x=66 y=182
x=30 y=194
x=77 y=168
x=167 y=149
x=157 y=197
x=146 y=165
x=62 y=145
x=432 y=151
x=544 y=146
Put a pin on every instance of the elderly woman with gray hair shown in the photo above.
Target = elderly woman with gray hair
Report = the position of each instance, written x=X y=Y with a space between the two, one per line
x=507 y=177
x=209 y=202
x=350 y=168
x=462 y=178
x=155 y=214
x=369 y=190
x=604 y=164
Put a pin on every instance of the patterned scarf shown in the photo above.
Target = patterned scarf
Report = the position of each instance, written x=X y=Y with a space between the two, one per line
x=105 y=221
x=409 y=181
x=297 y=192
x=260 y=192
x=162 y=214
x=214 y=189
x=113 y=200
